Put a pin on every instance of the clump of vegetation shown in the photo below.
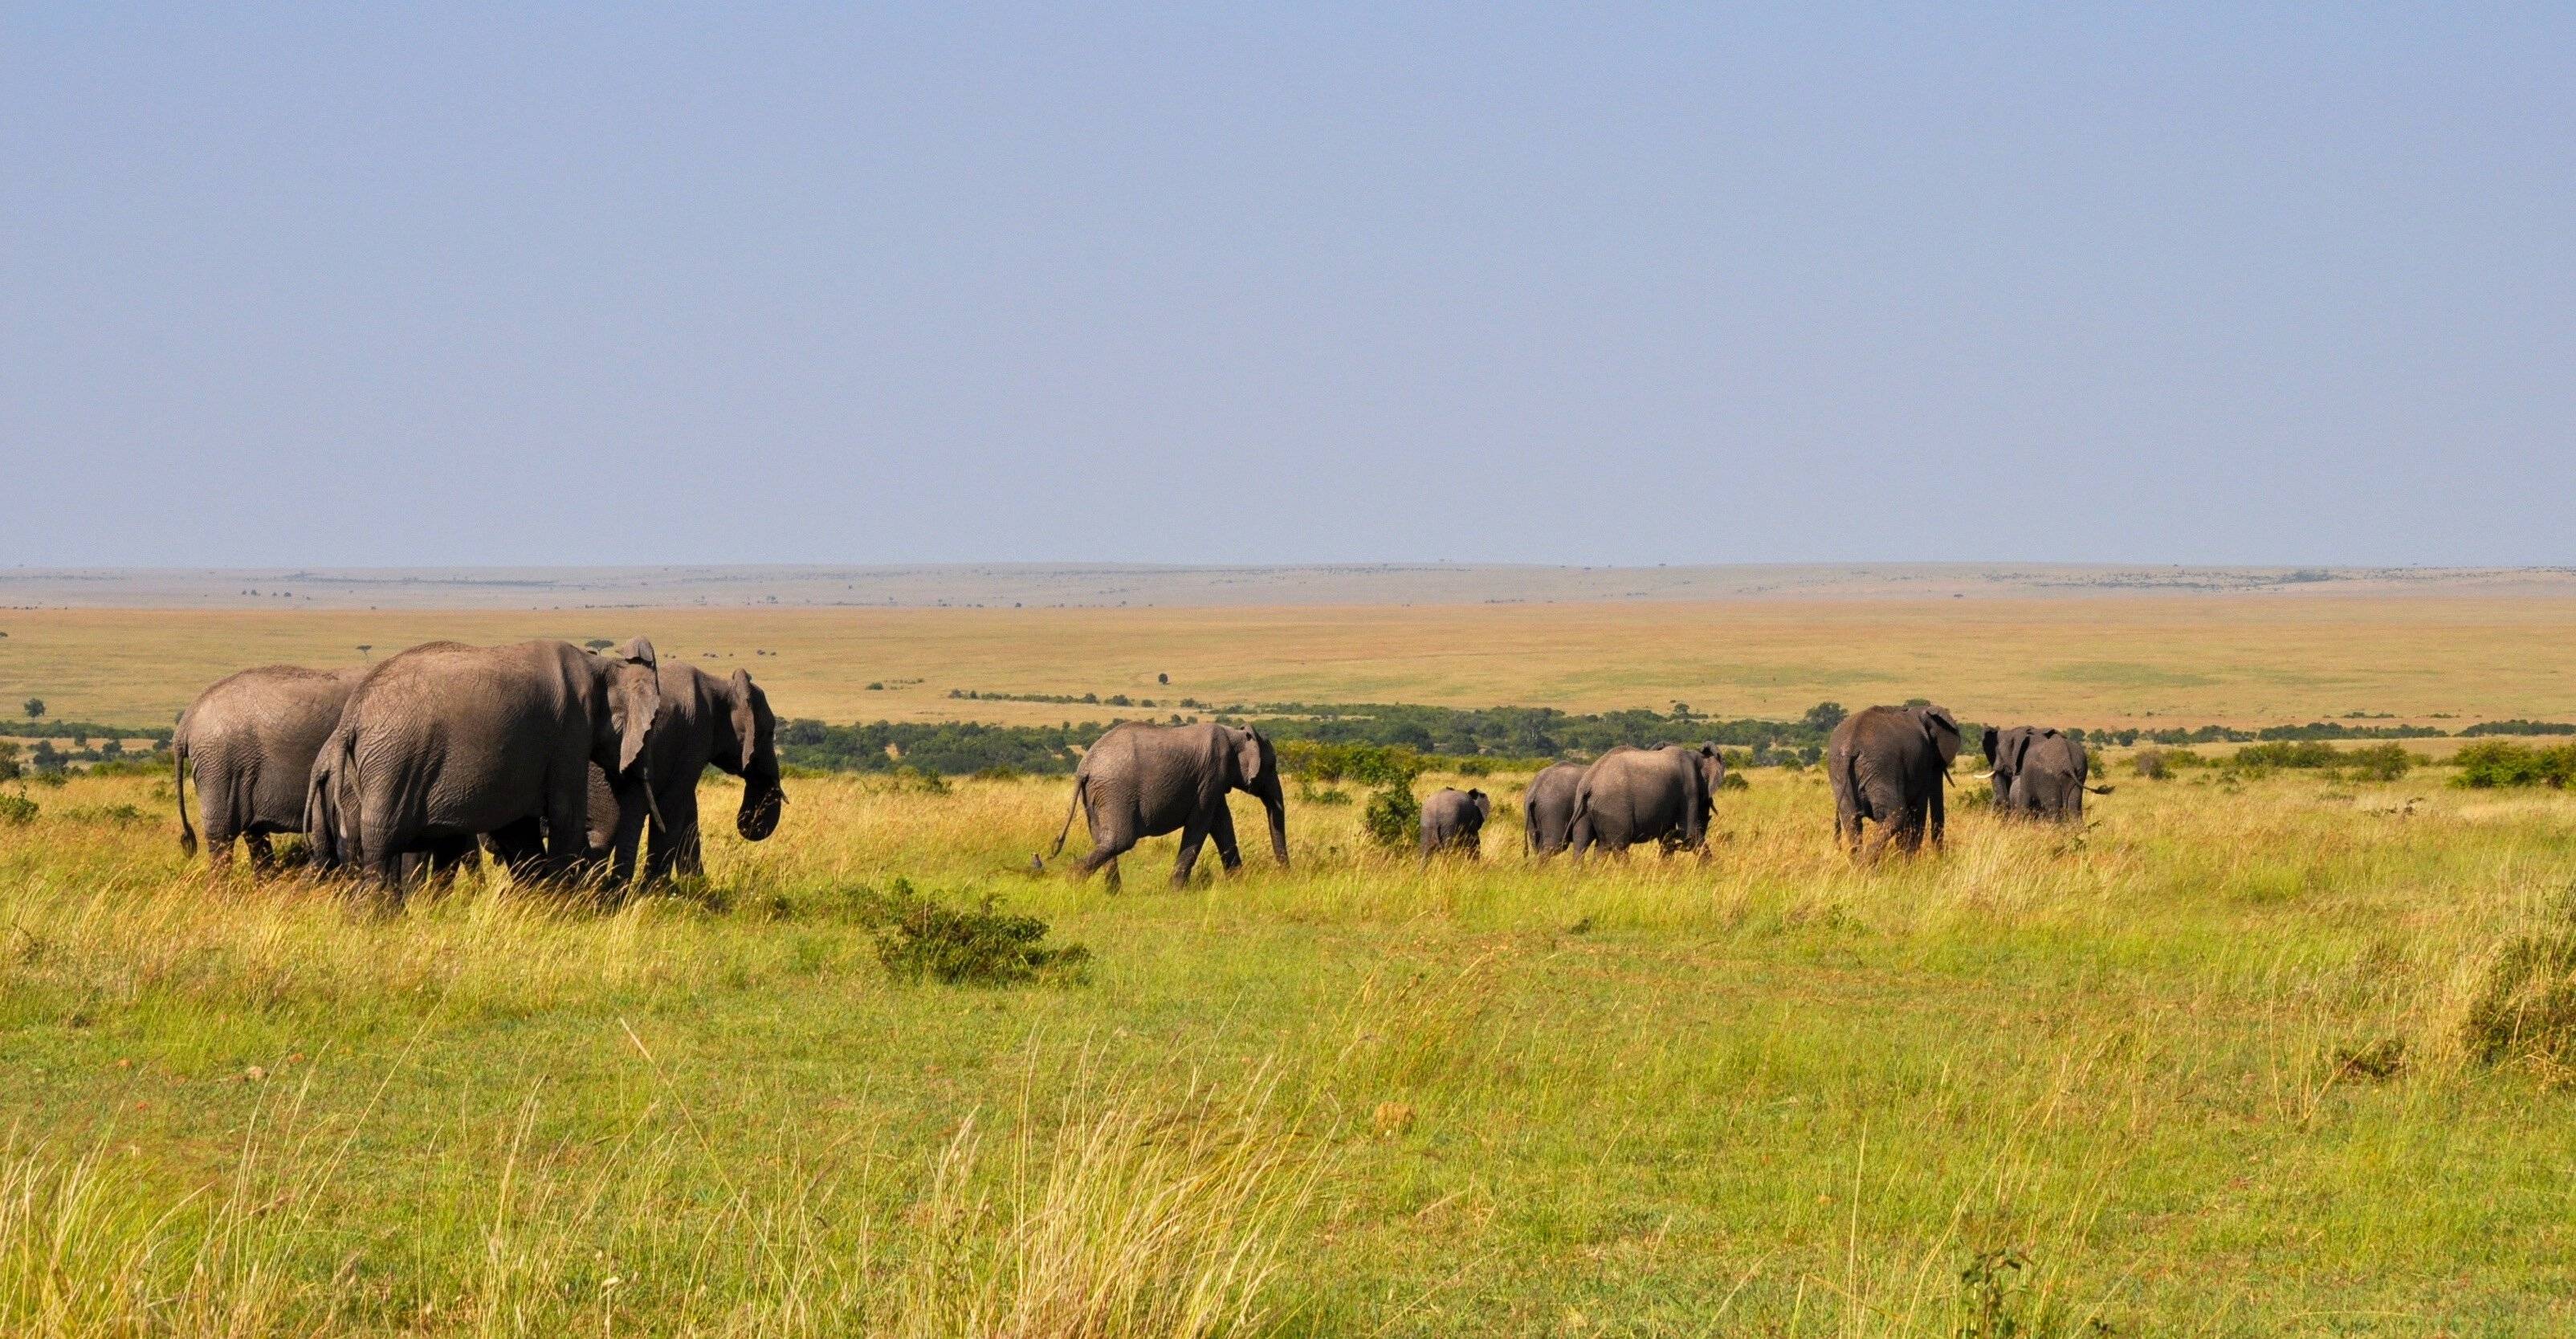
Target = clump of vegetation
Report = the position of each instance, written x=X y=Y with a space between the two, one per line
x=918 y=781
x=1393 y=817
x=919 y=936
x=2496 y=764
x=17 y=810
x=2525 y=1009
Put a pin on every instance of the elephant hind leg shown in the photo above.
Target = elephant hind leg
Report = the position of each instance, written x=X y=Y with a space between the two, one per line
x=263 y=859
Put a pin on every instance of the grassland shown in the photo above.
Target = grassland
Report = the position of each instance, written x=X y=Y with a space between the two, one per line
x=2208 y=1068
x=2146 y=660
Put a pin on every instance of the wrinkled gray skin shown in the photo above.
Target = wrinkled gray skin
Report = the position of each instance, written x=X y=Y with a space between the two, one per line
x=1887 y=766
x=248 y=743
x=1547 y=809
x=1142 y=781
x=704 y=722
x=1663 y=795
x=1455 y=818
x=444 y=742
x=2038 y=773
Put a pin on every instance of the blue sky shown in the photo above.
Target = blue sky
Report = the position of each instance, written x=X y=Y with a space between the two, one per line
x=453 y=284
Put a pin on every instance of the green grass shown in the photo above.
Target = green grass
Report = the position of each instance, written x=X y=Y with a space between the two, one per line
x=1768 y=1094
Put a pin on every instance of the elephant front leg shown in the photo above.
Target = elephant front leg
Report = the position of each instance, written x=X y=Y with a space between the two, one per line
x=1221 y=832
x=1193 y=834
x=263 y=860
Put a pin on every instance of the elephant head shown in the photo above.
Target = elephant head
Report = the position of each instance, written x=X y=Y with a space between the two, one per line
x=752 y=753
x=1484 y=806
x=2005 y=750
x=1256 y=769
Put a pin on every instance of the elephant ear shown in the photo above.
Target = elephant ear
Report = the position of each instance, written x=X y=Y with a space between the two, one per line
x=638 y=651
x=1986 y=745
x=2021 y=748
x=1943 y=730
x=1484 y=803
x=1247 y=757
x=636 y=700
x=746 y=721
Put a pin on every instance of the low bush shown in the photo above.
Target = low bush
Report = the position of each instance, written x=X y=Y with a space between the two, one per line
x=2495 y=764
x=920 y=936
x=1394 y=817
x=17 y=810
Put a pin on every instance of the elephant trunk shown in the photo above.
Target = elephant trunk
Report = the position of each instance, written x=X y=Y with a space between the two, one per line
x=761 y=798
x=1274 y=802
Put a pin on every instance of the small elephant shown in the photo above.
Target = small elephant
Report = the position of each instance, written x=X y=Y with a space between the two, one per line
x=1455 y=818
x=248 y=742
x=1547 y=810
x=444 y=742
x=1664 y=795
x=1140 y=781
x=1887 y=765
x=2038 y=772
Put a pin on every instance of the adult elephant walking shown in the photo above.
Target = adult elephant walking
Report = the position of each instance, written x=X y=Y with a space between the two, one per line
x=1454 y=818
x=445 y=742
x=2038 y=772
x=1547 y=809
x=1142 y=781
x=1887 y=766
x=248 y=743
x=704 y=722
x=1631 y=795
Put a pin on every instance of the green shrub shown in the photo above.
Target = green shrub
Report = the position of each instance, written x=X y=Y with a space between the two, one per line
x=17 y=810
x=920 y=936
x=1393 y=817
x=2381 y=762
x=2496 y=764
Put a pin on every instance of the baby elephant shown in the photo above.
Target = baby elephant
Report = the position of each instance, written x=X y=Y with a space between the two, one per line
x=1455 y=818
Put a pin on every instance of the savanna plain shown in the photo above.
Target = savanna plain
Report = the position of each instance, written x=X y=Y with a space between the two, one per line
x=2254 y=1052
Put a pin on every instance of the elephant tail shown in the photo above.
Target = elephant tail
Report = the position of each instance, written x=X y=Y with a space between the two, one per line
x=1081 y=783
x=322 y=804
x=179 y=787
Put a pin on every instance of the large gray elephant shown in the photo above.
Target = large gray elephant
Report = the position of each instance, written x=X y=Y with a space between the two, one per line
x=248 y=742
x=1664 y=795
x=704 y=722
x=444 y=742
x=2038 y=772
x=1454 y=819
x=1141 y=781
x=1887 y=765
x=1547 y=809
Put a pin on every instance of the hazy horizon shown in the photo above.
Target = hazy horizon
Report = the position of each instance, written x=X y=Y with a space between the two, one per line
x=1286 y=286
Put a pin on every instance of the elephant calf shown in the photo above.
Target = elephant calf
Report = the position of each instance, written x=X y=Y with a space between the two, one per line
x=1664 y=795
x=1547 y=810
x=2038 y=773
x=1455 y=818
x=1887 y=766
x=1142 y=781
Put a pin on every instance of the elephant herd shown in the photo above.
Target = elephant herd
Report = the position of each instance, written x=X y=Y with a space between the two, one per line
x=1886 y=767
x=559 y=761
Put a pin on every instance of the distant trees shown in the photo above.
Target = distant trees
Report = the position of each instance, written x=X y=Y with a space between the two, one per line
x=35 y=707
x=599 y=644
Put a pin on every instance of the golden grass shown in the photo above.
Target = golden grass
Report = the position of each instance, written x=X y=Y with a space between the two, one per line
x=2147 y=661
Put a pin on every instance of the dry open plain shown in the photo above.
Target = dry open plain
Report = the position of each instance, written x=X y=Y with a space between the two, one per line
x=2132 y=660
